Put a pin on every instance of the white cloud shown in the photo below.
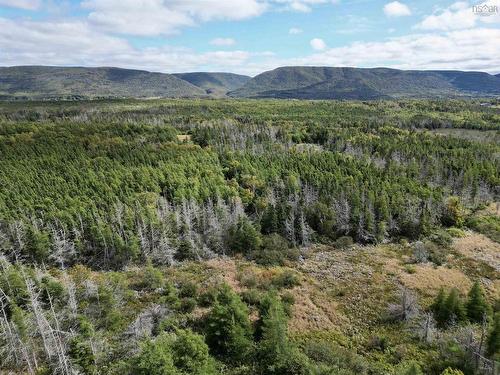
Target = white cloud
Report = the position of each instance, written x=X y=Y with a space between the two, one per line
x=72 y=43
x=80 y=42
x=459 y=15
x=450 y=50
x=318 y=44
x=207 y=10
x=295 y=31
x=304 y=6
x=226 y=42
x=23 y=4
x=144 y=17
x=156 y=17
x=396 y=9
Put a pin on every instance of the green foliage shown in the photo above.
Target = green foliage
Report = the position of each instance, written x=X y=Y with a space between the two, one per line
x=344 y=242
x=38 y=245
x=273 y=251
x=412 y=369
x=454 y=213
x=179 y=353
x=243 y=237
x=448 y=309
x=286 y=279
x=450 y=371
x=156 y=357
x=454 y=307
x=477 y=306
x=107 y=183
x=493 y=343
x=275 y=353
x=228 y=328
x=153 y=278
x=191 y=355
x=489 y=225
x=82 y=356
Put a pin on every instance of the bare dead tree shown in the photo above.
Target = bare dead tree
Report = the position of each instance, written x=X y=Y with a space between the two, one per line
x=407 y=307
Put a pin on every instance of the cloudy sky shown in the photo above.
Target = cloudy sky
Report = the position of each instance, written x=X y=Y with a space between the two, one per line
x=250 y=36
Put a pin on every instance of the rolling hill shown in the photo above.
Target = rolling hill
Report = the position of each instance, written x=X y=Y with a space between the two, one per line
x=215 y=84
x=44 y=82
x=366 y=83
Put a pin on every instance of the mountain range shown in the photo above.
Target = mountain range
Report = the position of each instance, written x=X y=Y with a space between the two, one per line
x=366 y=83
x=295 y=82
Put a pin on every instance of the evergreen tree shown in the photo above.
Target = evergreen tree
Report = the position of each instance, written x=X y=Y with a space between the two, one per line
x=276 y=355
x=243 y=237
x=156 y=357
x=477 y=306
x=191 y=355
x=38 y=245
x=454 y=308
x=439 y=309
x=493 y=344
x=228 y=328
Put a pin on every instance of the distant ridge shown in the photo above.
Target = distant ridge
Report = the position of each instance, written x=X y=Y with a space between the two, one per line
x=366 y=83
x=296 y=82
x=45 y=82
x=215 y=84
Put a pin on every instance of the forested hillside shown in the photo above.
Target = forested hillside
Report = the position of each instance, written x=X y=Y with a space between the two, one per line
x=305 y=82
x=295 y=82
x=249 y=237
x=215 y=84
x=47 y=82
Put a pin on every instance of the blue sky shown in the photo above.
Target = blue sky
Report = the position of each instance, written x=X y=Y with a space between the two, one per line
x=250 y=36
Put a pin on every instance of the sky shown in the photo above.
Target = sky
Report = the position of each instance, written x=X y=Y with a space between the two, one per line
x=251 y=36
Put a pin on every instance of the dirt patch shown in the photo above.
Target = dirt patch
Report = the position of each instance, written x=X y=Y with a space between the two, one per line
x=479 y=248
x=225 y=271
x=427 y=279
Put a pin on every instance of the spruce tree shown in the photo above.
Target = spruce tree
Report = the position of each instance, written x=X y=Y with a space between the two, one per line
x=228 y=329
x=454 y=308
x=493 y=344
x=477 y=306
x=439 y=309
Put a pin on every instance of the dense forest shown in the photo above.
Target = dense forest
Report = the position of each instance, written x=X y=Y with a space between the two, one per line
x=114 y=215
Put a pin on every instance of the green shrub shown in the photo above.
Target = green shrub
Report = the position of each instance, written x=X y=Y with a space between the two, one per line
x=489 y=225
x=153 y=278
x=183 y=352
x=453 y=213
x=450 y=371
x=188 y=289
x=191 y=355
x=442 y=238
x=336 y=357
x=344 y=242
x=207 y=298
x=274 y=251
x=410 y=268
x=187 y=305
x=286 y=279
x=52 y=290
x=251 y=297
x=456 y=232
